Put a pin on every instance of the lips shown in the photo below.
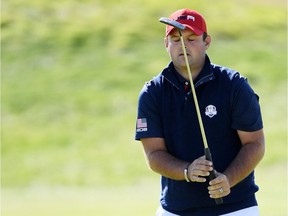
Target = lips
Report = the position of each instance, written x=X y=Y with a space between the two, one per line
x=182 y=54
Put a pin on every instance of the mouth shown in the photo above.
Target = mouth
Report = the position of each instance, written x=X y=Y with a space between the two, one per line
x=182 y=54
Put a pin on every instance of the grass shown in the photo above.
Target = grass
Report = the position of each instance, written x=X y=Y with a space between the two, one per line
x=105 y=201
x=139 y=198
x=272 y=196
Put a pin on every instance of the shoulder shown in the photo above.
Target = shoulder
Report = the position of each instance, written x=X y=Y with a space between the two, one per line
x=229 y=77
x=156 y=82
x=152 y=89
x=152 y=85
x=226 y=72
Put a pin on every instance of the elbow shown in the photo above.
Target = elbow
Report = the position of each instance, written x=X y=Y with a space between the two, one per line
x=149 y=162
x=154 y=160
x=262 y=149
x=259 y=151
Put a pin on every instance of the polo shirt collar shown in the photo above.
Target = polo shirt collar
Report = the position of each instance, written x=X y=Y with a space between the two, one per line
x=178 y=81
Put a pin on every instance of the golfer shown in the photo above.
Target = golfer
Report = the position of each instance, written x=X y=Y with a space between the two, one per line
x=168 y=128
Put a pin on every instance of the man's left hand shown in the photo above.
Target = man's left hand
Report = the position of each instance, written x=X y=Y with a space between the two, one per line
x=219 y=187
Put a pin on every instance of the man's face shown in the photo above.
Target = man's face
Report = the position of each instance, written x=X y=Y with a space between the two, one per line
x=195 y=47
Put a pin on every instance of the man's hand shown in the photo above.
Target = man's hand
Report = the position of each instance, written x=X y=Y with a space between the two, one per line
x=199 y=169
x=219 y=187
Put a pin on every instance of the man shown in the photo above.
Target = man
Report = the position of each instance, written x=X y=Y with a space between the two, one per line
x=168 y=128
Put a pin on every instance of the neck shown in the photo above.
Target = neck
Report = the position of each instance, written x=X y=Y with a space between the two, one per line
x=184 y=72
x=195 y=70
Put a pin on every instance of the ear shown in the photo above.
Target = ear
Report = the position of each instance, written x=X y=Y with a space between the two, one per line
x=207 y=41
x=166 y=42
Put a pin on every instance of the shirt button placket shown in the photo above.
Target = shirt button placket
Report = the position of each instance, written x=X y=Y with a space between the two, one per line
x=186 y=89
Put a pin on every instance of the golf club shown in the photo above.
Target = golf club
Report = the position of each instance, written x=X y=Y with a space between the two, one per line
x=208 y=156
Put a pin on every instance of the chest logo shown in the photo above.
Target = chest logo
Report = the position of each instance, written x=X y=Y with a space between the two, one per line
x=210 y=111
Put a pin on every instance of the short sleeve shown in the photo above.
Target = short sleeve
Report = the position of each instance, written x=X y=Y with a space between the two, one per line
x=148 y=122
x=246 y=113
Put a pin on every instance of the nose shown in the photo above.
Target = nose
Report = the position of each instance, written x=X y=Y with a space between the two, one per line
x=185 y=46
x=183 y=43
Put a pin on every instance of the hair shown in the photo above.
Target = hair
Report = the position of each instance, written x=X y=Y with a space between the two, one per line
x=204 y=35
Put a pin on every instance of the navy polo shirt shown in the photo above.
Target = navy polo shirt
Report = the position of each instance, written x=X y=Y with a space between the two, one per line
x=227 y=103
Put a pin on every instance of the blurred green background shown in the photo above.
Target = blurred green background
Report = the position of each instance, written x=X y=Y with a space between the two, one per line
x=71 y=74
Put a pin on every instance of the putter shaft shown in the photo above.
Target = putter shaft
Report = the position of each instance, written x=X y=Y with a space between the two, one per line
x=194 y=92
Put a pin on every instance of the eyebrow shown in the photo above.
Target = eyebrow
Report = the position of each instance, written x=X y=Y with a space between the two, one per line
x=177 y=35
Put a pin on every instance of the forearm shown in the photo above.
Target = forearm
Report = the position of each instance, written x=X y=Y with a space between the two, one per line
x=244 y=163
x=167 y=165
x=164 y=163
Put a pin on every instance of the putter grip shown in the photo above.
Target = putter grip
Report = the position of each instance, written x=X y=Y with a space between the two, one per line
x=212 y=175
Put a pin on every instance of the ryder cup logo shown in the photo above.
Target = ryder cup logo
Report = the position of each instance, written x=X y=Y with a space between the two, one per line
x=210 y=111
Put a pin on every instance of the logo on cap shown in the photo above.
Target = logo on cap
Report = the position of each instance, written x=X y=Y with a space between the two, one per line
x=191 y=19
x=186 y=17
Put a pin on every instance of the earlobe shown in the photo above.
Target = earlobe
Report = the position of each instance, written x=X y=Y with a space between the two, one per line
x=166 y=42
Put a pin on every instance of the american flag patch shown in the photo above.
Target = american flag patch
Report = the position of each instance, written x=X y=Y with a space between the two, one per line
x=141 y=124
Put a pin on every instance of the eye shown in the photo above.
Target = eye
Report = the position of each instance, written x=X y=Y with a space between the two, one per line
x=175 y=38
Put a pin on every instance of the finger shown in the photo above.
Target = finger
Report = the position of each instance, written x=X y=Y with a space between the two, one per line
x=200 y=173
x=219 y=193
x=205 y=168
x=200 y=170
x=216 y=192
x=202 y=161
x=217 y=180
x=195 y=178
x=214 y=187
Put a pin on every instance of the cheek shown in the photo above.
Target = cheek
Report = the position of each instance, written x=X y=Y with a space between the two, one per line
x=169 y=49
x=172 y=52
x=172 y=48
